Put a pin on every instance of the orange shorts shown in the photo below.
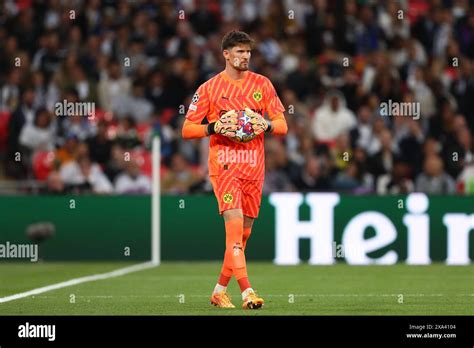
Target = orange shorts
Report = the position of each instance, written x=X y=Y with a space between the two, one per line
x=235 y=193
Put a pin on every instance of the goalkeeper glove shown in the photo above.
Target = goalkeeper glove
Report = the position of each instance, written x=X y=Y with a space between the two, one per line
x=259 y=124
x=226 y=125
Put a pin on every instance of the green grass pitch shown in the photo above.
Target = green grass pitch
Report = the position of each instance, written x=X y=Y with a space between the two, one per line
x=183 y=288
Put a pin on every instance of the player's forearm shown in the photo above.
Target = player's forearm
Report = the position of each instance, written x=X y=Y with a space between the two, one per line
x=193 y=131
x=278 y=126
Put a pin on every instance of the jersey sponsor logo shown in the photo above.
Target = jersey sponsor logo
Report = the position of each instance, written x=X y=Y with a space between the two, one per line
x=227 y=198
x=257 y=96
x=195 y=98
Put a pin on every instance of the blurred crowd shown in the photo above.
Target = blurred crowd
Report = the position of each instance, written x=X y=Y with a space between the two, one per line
x=334 y=64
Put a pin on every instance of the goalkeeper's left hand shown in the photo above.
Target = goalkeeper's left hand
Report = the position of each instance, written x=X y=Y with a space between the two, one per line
x=259 y=124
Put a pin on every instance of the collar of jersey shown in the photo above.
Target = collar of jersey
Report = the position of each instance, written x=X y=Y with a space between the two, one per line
x=235 y=82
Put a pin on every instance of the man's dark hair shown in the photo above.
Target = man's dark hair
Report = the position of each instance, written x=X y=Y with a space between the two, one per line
x=234 y=38
x=25 y=89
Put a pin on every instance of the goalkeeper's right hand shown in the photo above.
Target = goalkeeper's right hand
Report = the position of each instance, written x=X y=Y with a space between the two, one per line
x=226 y=125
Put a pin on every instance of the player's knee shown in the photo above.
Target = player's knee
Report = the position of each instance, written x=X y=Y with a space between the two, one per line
x=233 y=214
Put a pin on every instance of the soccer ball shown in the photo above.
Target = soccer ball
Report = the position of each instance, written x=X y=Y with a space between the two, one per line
x=245 y=131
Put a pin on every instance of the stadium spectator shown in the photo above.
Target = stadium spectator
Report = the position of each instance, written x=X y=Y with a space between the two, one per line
x=86 y=88
x=68 y=151
x=38 y=136
x=466 y=33
x=422 y=92
x=464 y=138
x=465 y=182
x=85 y=176
x=100 y=145
x=361 y=135
x=79 y=126
x=312 y=178
x=463 y=154
x=433 y=179
x=411 y=146
x=462 y=88
x=390 y=22
x=397 y=181
x=299 y=142
x=55 y=184
x=131 y=181
x=10 y=91
x=352 y=180
x=367 y=178
x=48 y=59
x=38 y=81
x=332 y=118
x=113 y=87
x=382 y=162
x=278 y=169
x=23 y=115
x=302 y=80
x=127 y=136
x=117 y=162
x=205 y=21
x=135 y=105
x=180 y=178
x=296 y=107
x=341 y=151
x=156 y=92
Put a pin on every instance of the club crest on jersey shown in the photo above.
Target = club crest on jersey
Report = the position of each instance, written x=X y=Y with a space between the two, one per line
x=227 y=198
x=257 y=96
x=195 y=98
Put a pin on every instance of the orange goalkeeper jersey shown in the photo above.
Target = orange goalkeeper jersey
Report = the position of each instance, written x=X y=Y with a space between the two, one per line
x=221 y=94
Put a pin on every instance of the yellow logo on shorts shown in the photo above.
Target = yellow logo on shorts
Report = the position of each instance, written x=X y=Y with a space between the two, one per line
x=257 y=95
x=227 y=198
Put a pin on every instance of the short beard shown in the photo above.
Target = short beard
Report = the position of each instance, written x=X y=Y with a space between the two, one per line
x=241 y=68
x=239 y=65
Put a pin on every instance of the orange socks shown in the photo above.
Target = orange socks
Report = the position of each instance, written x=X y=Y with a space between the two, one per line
x=245 y=237
x=233 y=243
x=244 y=282
x=226 y=271
x=223 y=279
x=234 y=257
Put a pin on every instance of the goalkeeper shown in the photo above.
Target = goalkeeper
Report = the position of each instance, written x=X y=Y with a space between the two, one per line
x=237 y=186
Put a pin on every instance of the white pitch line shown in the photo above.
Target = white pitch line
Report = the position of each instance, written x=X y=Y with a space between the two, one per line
x=117 y=273
x=368 y=295
x=267 y=295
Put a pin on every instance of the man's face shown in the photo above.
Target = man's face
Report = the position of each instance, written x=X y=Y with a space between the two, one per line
x=114 y=71
x=335 y=104
x=133 y=169
x=29 y=97
x=238 y=57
